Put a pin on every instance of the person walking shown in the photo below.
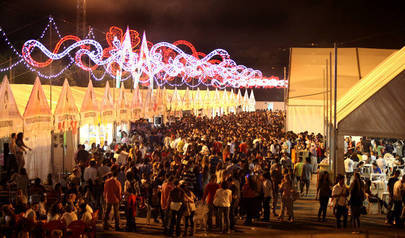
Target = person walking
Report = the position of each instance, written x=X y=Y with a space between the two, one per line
x=189 y=209
x=356 y=201
x=112 y=196
x=323 y=193
x=176 y=201
x=287 y=191
x=340 y=194
x=222 y=200
x=306 y=176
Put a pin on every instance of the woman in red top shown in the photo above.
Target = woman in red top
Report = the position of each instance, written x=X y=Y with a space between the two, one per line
x=249 y=195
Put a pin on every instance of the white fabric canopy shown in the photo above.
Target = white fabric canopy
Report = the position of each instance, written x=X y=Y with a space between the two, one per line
x=37 y=133
x=306 y=81
x=11 y=120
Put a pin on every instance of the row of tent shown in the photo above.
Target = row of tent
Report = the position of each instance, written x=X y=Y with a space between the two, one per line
x=44 y=125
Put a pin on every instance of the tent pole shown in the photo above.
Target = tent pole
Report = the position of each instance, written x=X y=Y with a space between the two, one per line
x=327 y=105
x=334 y=112
x=330 y=112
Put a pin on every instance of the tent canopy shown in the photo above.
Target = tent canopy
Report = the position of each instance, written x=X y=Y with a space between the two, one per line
x=375 y=105
x=307 y=71
x=10 y=117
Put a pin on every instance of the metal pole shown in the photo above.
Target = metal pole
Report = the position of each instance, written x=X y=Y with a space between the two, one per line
x=285 y=101
x=327 y=105
x=330 y=112
x=334 y=112
x=324 y=103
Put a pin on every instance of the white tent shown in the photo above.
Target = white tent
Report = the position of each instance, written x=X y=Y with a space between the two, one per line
x=137 y=105
x=374 y=107
x=252 y=102
x=207 y=104
x=305 y=106
x=123 y=112
x=89 y=118
x=10 y=118
x=187 y=100
x=37 y=133
x=176 y=103
x=66 y=120
x=107 y=116
x=245 y=101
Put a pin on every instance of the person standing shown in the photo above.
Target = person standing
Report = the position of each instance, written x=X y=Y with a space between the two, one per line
x=398 y=191
x=390 y=185
x=267 y=194
x=112 y=196
x=340 y=193
x=222 y=200
x=356 y=200
x=348 y=169
x=208 y=197
x=287 y=190
x=176 y=204
x=276 y=177
x=323 y=193
x=20 y=149
x=167 y=187
x=189 y=206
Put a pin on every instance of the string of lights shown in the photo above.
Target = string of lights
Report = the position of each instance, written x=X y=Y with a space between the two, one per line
x=127 y=56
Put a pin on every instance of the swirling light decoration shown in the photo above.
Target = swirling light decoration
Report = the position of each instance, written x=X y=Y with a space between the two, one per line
x=162 y=63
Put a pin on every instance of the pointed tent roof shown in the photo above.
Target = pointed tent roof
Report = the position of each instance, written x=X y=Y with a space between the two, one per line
x=217 y=99
x=187 y=100
x=136 y=104
x=37 y=104
x=239 y=97
x=207 y=99
x=8 y=109
x=197 y=102
x=373 y=107
x=66 y=103
x=89 y=103
x=107 y=105
x=175 y=102
x=147 y=106
x=122 y=107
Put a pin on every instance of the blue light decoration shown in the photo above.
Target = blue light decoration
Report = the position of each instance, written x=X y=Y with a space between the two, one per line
x=161 y=63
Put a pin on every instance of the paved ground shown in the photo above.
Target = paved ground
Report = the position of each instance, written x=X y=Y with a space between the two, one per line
x=305 y=225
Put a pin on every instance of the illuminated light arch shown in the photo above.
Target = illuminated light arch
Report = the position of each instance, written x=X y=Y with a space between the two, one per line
x=161 y=63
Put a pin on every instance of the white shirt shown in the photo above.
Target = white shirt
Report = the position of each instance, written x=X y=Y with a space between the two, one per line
x=267 y=188
x=223 y=198
x=338 y=190
x=90 y=173
x=380 y=163
x=69 y=217
x=348 y=165
x=122 y=157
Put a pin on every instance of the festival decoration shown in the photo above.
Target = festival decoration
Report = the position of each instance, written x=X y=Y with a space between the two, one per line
x=127 y=56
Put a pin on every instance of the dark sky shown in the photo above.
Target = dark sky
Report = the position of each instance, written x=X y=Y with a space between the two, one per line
x=256 y=33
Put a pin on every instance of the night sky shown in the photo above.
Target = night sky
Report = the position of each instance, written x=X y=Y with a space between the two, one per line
x=255 y=33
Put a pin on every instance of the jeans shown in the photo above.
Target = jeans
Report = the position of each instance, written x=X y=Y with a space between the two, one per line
x=189 y=219
x=223 y=214
x=233 y=213
x=176 y=219
x=166 y=220
x=266 y=208
x=323 y=202
x=115 y=206
x=398 y=212
x=341 y=211
x=287 y=205
x=212 y=211
x=131 y=225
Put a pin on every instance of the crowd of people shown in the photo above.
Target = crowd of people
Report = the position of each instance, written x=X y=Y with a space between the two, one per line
x=200 y=170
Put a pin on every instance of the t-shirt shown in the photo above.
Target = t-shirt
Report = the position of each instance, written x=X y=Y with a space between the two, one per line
x=209 y=192
x=341 y=191
x=306 y=172
x=223 y=197
x=298 y=169
x=348 y=165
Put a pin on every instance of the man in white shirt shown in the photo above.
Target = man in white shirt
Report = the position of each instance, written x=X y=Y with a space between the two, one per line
x=380 y=163
x=267 y=194
x=340 y=193
x=348 y=169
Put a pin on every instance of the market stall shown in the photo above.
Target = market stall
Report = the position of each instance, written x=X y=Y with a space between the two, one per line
x=123 y=112
x=89 y=118
x=37 y=133
x=66 y=122
x=107 y=116
x=136 y=105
